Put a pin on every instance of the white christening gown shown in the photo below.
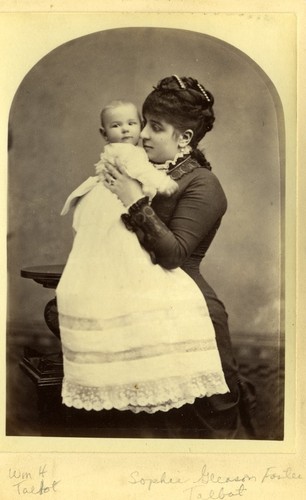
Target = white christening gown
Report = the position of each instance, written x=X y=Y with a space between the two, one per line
x=134 y=335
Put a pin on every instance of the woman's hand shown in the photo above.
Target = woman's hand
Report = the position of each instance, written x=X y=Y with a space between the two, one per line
x=117 y=181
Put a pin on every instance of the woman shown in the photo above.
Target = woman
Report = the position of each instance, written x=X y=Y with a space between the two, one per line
x=177 y=232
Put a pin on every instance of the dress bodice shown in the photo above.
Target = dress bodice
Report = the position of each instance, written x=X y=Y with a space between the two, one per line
x=185 y=223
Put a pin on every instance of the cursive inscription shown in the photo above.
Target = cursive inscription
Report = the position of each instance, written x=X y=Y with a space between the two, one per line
x=272 y=473
x=207 y=477
x=32 y=482
x=211 y=485
x=200 y=493
x=136 y=478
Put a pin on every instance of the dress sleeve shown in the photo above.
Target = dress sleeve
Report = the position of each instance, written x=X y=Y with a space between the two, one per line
x=198 y=211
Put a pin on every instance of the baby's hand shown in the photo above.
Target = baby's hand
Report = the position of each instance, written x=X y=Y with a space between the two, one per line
x=171 y=189
x=100 y=165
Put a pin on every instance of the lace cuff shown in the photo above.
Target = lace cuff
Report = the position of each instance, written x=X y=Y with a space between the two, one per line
x=142 y=216
x=126 y=219
x=143 y=221
x=138 y=205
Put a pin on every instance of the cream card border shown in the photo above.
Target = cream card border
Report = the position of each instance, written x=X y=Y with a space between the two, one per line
x=26 y=35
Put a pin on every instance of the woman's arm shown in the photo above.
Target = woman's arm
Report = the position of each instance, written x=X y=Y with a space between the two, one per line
x=198 y=212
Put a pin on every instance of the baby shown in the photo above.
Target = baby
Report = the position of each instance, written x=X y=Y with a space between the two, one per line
x=121 y=126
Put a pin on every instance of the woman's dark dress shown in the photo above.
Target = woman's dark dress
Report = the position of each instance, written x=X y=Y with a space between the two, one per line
x=177 y=232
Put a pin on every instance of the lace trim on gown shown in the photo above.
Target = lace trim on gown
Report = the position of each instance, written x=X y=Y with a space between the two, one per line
x=153 y=396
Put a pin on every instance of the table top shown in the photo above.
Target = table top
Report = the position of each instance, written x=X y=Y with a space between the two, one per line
x=46 y=275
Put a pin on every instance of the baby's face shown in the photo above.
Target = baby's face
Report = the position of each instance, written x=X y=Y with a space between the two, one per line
x=122 y=124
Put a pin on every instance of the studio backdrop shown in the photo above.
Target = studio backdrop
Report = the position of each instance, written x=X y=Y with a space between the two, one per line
x=54 y=141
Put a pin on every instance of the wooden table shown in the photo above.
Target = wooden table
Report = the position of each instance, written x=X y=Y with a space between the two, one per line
x=46 y=370
x=48 y=277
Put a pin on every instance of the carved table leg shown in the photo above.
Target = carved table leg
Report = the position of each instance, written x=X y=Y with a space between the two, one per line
x=51 y=317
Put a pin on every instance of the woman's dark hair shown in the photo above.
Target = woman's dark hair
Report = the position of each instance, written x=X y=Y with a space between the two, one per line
x=185 y=104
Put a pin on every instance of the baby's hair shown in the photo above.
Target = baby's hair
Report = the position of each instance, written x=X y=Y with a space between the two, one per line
x=185 y=104
x=115 y=103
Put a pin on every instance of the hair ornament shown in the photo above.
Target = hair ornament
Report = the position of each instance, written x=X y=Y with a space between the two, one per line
x=180 y=82
x=203 y=92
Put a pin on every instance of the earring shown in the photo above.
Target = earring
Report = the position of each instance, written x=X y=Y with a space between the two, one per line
x=185 y=150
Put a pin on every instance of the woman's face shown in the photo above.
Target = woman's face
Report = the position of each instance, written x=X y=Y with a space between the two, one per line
x=160 y=139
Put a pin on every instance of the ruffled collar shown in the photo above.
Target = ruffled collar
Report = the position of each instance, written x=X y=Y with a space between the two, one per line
x=170 y=164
